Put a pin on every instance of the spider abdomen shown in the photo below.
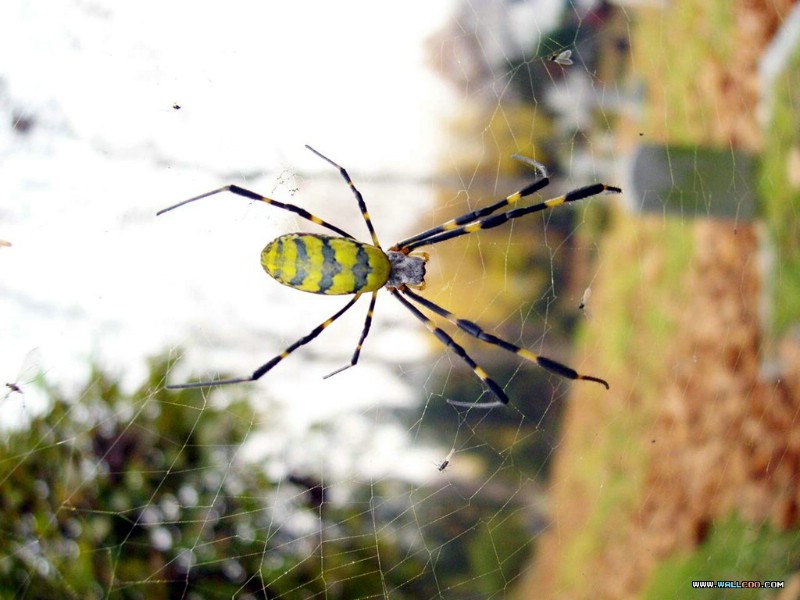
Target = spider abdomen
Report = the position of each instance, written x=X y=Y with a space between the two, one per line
x=325 y=264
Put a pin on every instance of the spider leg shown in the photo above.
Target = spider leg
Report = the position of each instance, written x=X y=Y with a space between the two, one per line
x=240 y=191
x=476 y=331
x=364 y=334
x=495 y=220
x=476 y=214
x=260 y=371
x=359 y=198
x=448 y=341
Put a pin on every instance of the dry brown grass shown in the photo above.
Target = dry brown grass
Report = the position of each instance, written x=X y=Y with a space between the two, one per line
x=715 y=437
x=725 y=441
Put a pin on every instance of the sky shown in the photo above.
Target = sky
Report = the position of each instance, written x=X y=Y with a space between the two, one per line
x=93 y=275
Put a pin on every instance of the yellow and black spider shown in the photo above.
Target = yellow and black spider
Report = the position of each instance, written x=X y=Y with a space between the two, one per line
x=340 y=265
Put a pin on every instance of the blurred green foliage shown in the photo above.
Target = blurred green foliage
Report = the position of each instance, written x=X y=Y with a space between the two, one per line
x=734 y=551
x=146 y=495
x=135 y=496
x=780 y=198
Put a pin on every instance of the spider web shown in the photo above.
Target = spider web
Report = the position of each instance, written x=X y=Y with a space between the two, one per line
x=682 y=292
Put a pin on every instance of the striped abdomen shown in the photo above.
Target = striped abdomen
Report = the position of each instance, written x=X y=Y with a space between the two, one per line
x=325 y=264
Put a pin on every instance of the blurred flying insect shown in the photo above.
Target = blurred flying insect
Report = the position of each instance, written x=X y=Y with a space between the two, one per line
x=29 y=371
x=340 y=265
x=562 y=57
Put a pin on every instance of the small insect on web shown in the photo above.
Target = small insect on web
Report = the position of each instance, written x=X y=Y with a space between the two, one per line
x=443 y=465
x=341 y=265
x=562 y=57
x=584 y=304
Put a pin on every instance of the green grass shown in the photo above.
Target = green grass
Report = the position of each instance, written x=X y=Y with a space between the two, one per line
x=673 y=49
x=734 y=551
x=780 y=204
x=637 y=301
x=605 y=453
x=737 y=550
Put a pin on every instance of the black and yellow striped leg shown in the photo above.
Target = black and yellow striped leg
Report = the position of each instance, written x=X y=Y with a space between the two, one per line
x=359 y=198
x=364 y=334
x=240 y=191
x=496 y=220
x=260 y=371
x=445 y=339
x=476 y=331
x=475 y=214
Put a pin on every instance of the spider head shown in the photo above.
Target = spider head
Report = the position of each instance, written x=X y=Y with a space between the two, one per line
x=407 y=269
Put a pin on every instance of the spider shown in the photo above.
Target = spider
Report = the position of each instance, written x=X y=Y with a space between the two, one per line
x=341 y=265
